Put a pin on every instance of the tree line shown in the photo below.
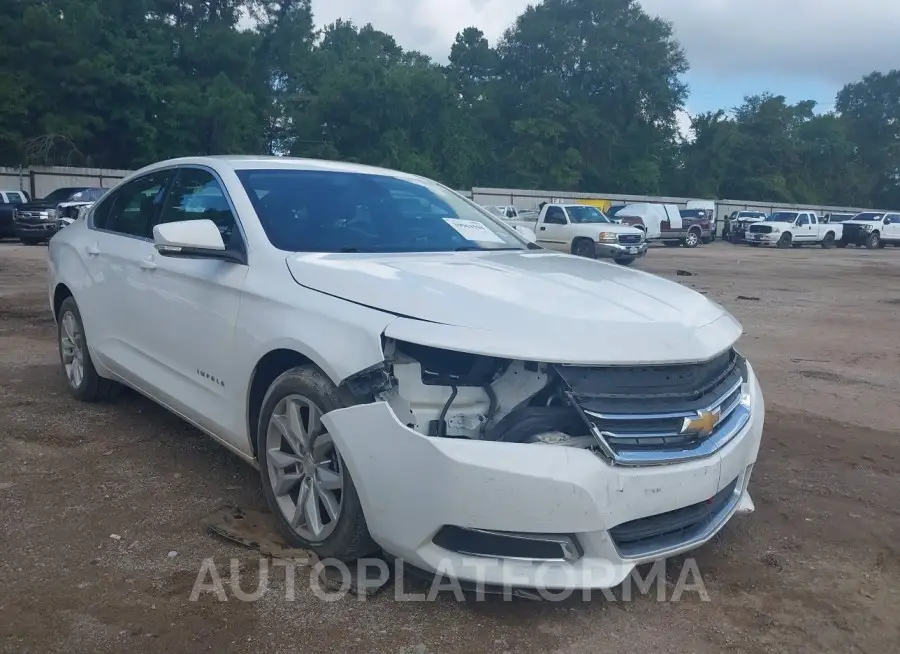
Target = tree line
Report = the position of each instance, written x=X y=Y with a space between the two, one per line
x=577 y=95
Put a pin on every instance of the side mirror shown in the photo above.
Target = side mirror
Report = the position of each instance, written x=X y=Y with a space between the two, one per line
x=527 y=232
x=192 y=239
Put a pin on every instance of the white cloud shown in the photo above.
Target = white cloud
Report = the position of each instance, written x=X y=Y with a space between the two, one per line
x=683 y=121
x=833 y=40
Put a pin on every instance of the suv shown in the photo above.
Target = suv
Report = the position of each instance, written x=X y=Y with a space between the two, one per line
x=39 y=220
x=737 y=223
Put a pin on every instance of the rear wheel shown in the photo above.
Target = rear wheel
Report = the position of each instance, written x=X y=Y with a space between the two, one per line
x=785 y=241
x=305 y=481
x=692 y=239
x=873 y=241
x=82 y=379
x=828 y=241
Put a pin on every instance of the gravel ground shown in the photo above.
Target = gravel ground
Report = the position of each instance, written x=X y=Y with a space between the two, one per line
x=816 y=568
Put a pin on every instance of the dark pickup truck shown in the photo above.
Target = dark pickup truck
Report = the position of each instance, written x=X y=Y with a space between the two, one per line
x=37 y=221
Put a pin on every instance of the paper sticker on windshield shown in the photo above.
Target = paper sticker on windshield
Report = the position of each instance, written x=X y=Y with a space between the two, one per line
x=473 y=230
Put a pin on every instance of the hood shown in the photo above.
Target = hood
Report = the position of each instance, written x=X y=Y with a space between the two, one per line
x=615 y=228
x=37 y=205
x=532 y=305
x=859 y=222
x=779 y=224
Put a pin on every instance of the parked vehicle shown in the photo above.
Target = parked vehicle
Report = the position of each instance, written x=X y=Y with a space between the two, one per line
x=836 y=217
x=736 y=227
x=585 y=231
x=699 y=216
x=9 y=202
x=503 y=211
x=872 y=229
x=786 y=229
x=37 y=221
x=663 y=222
x=709 y=206
x=387 y=368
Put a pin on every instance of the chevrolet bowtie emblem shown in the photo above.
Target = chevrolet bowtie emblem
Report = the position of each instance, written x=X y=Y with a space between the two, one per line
x=702 y=424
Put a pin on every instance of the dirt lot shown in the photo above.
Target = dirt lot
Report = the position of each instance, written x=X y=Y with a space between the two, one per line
x=816 y=568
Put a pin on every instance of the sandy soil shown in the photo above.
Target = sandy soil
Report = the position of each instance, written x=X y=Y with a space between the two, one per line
x=816 y=568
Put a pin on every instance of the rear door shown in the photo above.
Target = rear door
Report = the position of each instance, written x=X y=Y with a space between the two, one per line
x=116 y=251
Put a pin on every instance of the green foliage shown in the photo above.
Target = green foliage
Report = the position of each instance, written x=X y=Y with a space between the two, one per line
x=577 y=95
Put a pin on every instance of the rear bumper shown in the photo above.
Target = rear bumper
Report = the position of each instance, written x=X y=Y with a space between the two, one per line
x=617 y=251
x=411 y=486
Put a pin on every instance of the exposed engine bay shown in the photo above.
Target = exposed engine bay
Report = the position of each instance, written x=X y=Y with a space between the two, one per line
x=449 y=394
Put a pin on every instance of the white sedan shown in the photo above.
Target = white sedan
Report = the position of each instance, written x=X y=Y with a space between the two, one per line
x=410 y=373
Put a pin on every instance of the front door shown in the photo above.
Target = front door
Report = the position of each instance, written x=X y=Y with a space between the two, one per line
x=891 y=229
x=192 y=306
x=553 y=233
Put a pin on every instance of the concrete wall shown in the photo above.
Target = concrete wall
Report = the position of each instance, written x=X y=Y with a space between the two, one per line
x=38 y=181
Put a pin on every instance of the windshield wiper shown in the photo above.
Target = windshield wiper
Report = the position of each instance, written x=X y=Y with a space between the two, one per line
x=472 y=248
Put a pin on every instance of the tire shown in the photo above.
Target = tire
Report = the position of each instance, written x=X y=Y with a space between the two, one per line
x=828 y=241
x=625 y=261
x=345 y=536
x=785 y=241
x=29 y=241
x=81 y=376
x=672 y=244
x=584 y=247
x=692 y=239
x=873 y=241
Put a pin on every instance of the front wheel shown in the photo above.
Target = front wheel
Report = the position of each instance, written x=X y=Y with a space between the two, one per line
x=584 y=248
x=784 y=241
x=625 y=261
x=692 y=239
x=873 y=241
x=305 y=481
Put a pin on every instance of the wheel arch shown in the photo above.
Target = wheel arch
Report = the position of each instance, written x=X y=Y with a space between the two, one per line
x=266 y=370
x=60 y=293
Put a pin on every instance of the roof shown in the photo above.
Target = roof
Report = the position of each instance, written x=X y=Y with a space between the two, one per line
x=263 y=162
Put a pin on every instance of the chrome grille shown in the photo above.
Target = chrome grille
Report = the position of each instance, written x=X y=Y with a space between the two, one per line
x=630 y=239
x=760 y=229
x=662 y=414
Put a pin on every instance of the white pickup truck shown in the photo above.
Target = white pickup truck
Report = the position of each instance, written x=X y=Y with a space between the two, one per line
x=786 y=229
x=585 y=231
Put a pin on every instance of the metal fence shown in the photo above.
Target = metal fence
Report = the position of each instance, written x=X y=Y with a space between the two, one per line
x=38 y=181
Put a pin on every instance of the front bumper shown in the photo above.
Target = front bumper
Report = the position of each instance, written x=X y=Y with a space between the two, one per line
x=411 y=486
x=42 y=229
x=618 y=251
x=762 y=239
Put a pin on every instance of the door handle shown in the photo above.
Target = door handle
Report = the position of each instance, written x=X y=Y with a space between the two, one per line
x=543 y=229
x=148 y=264
x=92 y=250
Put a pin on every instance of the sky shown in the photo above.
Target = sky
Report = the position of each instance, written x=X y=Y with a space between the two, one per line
x=802 y=49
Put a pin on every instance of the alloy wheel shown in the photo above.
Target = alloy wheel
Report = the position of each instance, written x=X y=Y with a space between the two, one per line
x=305 y=468
x=72 y=347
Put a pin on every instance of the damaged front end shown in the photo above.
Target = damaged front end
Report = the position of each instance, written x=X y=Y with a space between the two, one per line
x=460 y=457
x=642 y=415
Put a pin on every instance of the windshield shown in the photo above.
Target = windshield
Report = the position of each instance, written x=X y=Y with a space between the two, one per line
x=584 y=214
x=868 y=216
x=327 y=211
x=782 y=217
x=63 y=194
